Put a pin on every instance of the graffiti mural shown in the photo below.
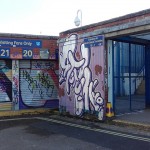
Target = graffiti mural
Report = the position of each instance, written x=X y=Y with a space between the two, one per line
x=38 y=82
x=15 y=83
x=81 y=78
x=5 y=81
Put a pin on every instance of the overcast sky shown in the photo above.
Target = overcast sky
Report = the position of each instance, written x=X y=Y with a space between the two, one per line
x=50 y=17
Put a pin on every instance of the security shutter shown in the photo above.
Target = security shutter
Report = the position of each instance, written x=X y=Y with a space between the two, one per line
x=38 y=83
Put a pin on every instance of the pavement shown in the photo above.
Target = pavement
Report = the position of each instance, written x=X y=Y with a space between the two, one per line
x=139 y=119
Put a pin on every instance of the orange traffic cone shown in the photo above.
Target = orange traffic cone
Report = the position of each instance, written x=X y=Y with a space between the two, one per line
x=109 y=110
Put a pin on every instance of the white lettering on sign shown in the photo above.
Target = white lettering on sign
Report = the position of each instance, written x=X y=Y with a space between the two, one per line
x=4 y=52
x=20 y=43
x=6 y=42
x=27 y=43
x=27 y=53
x=17 y=43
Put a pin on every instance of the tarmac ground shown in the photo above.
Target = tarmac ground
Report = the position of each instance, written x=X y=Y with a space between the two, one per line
x=138 y=120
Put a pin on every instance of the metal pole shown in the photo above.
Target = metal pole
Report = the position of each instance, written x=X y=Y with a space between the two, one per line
x=114 y=100
x=130 y=75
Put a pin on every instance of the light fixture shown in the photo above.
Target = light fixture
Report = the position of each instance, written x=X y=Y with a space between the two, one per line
x=78 y=21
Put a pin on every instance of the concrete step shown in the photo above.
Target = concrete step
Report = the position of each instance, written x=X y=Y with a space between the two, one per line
x=141 y=89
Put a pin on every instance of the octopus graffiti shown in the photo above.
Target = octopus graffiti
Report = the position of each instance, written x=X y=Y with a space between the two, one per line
x=81 y=78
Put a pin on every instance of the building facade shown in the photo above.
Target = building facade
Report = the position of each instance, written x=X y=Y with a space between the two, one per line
x=96 y=65
x=28 y=72
x=105 y=62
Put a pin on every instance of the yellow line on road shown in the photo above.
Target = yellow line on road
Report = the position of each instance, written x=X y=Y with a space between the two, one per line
x=95 y=129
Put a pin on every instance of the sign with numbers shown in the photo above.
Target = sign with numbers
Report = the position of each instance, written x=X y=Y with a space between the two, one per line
x=27 y=53
x=4 y=53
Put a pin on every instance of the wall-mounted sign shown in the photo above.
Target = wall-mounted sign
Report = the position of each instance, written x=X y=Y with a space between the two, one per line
x=36 y=54
x=44 y=53
x=93 y=41
x=20 y=43
x=16 y=53
x=27 y=53
x=4 y=53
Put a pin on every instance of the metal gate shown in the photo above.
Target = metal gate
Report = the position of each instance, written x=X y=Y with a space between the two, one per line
x=5 y=85
x=147 y=75
x=38 y=84
x=128 y=77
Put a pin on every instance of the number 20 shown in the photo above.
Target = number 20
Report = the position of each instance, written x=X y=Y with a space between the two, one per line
x=27 y=53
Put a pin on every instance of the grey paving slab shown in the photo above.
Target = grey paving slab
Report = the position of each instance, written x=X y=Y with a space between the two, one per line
x=142 y=117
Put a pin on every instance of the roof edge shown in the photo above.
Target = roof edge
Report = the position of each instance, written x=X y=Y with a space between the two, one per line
x=127 y=16
x=31 y=36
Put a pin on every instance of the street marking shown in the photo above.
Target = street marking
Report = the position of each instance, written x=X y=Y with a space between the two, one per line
x=97 y=130
x=15 y=119
x=83 y=127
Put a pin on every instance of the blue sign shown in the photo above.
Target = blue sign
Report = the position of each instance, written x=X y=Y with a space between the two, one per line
x=27 y=53
x=93 y=41
x=4 y=53
x=20 y=43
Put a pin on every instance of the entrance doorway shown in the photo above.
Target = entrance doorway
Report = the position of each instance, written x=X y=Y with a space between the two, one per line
x=128 y=77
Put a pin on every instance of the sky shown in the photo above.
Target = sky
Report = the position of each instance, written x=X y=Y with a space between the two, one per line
x=50 y=17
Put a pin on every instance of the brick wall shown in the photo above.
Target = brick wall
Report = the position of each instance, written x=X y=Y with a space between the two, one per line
x=134 y=17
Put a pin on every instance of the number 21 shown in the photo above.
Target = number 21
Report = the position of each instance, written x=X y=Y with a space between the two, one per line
x=4 y=53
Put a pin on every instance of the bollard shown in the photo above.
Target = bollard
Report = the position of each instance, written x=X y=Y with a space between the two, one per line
x=109 y=110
